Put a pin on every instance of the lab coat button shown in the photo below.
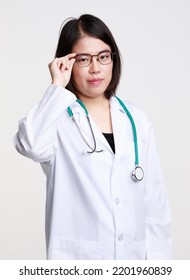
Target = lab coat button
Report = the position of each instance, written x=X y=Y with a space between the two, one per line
x=117 y=201
x=120 y=238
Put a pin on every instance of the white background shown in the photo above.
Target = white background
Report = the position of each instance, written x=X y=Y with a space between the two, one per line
x=154 y=39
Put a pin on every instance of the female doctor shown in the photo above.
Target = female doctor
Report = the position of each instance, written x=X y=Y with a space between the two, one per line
x=105 y=191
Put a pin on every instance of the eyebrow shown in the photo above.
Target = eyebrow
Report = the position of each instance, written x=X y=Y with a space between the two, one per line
x=106 y=50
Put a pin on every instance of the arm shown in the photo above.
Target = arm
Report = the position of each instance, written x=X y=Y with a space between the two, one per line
x=36 y=137
x=158 y=216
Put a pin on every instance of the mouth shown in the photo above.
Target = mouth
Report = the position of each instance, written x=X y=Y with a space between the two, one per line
x=95 y=81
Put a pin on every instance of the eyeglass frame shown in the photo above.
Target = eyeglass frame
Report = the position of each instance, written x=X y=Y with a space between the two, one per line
x=91 y=56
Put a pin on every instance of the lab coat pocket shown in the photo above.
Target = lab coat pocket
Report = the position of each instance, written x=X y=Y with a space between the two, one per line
x=75 y=250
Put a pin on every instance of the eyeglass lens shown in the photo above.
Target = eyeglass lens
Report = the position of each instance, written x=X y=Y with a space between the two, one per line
x=85 y=59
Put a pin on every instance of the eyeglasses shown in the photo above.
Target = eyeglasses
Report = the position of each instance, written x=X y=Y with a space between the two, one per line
x=85 y=59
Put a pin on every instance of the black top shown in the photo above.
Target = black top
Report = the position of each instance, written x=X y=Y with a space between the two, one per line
x=109 y=137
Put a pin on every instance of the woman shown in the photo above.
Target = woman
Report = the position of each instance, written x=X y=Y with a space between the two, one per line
x=94 y=209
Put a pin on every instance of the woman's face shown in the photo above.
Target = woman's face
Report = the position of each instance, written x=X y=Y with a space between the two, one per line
x=92 y=80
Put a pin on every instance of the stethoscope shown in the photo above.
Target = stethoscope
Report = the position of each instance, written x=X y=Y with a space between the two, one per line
x=138 y=173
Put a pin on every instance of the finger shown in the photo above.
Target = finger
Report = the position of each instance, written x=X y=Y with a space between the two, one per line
x=62 y=64
x=64 y=59
x=72 y=61
x=63 y=67
x=71 y=55
x=70 y=64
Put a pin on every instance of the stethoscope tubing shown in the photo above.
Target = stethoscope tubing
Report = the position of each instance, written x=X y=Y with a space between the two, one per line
x=89 y=123
x=134 y=130
x=138 y=173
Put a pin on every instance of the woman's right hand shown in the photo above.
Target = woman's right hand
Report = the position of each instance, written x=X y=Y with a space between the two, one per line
x=61 y=68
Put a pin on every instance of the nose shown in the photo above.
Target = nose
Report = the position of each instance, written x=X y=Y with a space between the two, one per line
x=95 y=65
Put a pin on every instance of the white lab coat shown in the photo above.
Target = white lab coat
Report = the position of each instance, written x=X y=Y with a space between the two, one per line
x=94 y=210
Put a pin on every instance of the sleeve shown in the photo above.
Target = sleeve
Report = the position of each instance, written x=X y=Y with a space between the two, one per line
x=36 y=136
x=158 y=215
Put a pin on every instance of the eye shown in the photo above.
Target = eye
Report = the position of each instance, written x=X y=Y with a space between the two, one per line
x=104 y=56
x=82 y=59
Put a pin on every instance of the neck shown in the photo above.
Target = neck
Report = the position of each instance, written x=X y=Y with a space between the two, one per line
x=96 y=103
x=99 y=110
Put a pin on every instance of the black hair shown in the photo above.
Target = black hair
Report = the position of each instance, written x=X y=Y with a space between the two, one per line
x=74 y=29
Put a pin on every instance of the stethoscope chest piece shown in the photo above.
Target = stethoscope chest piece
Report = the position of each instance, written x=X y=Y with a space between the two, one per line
x=137 y=174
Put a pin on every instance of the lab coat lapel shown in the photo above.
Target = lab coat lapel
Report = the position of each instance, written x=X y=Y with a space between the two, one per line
x=100 y=138
x=122 y=130
x=121 y=125
x=81 y=119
